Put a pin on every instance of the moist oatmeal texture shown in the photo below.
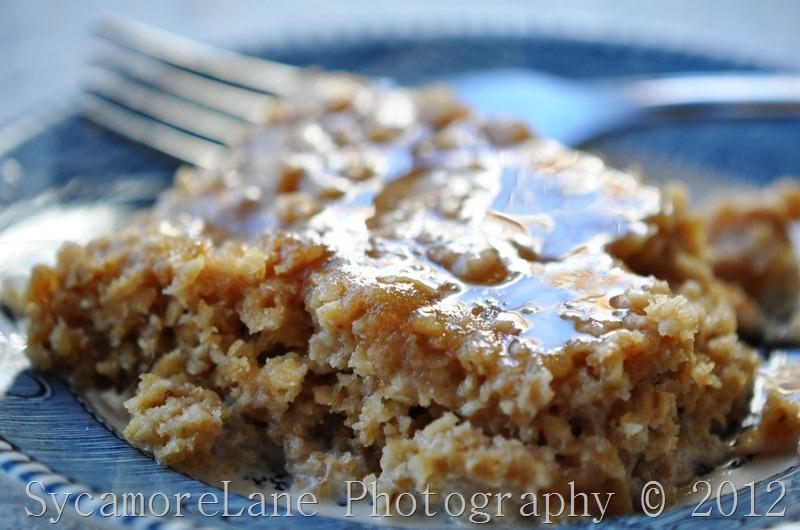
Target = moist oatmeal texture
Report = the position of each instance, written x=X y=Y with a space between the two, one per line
x=751 y=238
x=389 y=287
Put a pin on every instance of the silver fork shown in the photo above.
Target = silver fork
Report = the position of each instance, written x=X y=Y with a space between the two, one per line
x=191 y=100
x=178 y=96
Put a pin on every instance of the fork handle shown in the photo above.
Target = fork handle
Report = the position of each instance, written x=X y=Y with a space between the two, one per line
x=724 y=94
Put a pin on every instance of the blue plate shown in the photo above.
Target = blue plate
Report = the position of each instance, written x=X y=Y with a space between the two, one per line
x=50 y=436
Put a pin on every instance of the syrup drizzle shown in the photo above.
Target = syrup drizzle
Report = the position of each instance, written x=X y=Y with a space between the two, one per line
x=518 y=227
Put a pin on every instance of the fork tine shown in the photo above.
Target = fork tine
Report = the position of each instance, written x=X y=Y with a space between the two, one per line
x=228 y=99
x=174 y=142
x=165 y=107
x=267 y=76
x=181 y=97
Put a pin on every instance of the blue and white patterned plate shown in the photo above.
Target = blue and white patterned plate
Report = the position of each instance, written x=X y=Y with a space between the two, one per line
x=72 y=179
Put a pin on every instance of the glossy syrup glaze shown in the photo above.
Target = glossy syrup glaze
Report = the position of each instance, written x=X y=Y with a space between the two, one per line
x=412 y=187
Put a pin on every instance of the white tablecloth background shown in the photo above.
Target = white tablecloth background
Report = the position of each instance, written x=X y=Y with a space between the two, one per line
x=43 y=44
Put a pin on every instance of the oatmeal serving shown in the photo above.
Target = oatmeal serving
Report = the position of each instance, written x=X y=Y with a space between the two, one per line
x=391 y=288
